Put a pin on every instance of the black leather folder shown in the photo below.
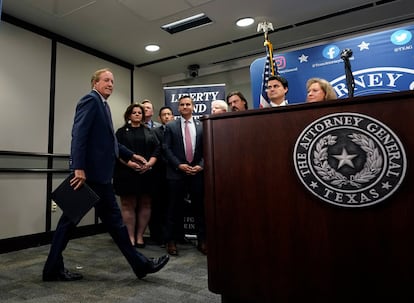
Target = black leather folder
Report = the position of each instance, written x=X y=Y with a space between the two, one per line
x=74 y=203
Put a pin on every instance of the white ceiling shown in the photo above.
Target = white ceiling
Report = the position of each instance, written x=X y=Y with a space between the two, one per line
x=121 y=28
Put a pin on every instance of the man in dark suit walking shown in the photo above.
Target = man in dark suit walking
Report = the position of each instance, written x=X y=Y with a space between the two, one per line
x=94 y=150
x=183 y=148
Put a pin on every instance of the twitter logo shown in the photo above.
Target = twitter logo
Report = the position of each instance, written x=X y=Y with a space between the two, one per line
x=401 y=37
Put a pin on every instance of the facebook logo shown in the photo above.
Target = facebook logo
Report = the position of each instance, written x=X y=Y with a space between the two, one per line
x=330 y=52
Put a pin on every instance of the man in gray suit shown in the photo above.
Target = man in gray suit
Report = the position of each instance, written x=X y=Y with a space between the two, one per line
x=183 y=148
x=148 y=113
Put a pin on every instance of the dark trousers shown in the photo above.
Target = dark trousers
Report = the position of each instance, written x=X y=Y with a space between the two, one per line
x=159 y=204
x=108 y=211
x=178 y=190
x=158 y=213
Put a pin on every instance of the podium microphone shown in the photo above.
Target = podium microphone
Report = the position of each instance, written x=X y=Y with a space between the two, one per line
x=346 y=53
x=350 y=83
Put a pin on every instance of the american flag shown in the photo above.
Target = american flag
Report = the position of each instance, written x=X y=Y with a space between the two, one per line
x=270 y=69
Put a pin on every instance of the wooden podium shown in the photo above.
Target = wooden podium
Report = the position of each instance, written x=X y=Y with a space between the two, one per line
x=271 y=240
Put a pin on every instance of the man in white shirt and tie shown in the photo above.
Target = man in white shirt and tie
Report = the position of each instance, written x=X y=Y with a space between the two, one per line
x=183 y=148
x=277 y=88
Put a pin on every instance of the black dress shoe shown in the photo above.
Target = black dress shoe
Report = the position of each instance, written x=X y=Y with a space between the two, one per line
x=154 y=265
x=172 y=248
x=63 y=275
x=139 y=245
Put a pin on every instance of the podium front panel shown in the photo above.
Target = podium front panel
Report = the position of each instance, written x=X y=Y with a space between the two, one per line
x=271 y=240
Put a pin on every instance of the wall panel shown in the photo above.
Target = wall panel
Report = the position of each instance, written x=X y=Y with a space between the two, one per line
x=24 y=86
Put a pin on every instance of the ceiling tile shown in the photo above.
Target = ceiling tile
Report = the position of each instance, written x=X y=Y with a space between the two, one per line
x=60 y=8
x=155 y=9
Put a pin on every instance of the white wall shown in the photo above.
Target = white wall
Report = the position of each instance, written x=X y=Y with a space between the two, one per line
x=24 y=87
x=24 y=118
x=25 y=83
x=73 y=75
x=148 y=86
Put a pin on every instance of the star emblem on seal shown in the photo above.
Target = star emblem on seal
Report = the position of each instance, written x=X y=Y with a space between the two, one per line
x=344 y=158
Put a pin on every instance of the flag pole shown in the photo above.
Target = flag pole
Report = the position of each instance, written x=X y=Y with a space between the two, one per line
x=269 y=68
x=265 y=27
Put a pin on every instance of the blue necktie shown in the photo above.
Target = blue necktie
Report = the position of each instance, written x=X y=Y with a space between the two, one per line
x=109 y=116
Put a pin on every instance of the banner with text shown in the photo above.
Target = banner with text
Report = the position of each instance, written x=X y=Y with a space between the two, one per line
x=201 y=94
x=381 y=62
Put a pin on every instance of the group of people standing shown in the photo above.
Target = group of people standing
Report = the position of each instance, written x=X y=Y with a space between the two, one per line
x=153 y=195
x=154 y=167
x=139 y=158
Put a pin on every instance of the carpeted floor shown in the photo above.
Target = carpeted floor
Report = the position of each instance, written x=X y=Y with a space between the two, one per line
x=107 y=276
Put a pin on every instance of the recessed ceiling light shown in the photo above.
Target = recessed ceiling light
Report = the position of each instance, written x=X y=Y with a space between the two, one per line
x=152 y=48
x=243 y=22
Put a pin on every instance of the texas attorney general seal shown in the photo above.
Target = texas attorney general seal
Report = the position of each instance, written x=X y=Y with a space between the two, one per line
x=350 y=159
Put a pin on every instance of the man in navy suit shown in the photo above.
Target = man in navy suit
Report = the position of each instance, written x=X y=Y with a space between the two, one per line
x=94 y=150
x=183 y=148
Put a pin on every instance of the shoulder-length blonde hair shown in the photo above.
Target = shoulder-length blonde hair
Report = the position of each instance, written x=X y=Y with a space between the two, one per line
x=325 y=86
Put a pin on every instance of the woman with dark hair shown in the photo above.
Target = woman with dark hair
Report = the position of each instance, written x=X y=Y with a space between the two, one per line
x=135 y=187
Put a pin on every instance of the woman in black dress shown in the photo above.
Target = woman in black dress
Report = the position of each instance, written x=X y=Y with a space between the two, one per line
x=135 y=187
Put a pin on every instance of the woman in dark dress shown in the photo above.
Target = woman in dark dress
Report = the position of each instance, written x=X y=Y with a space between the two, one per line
x=135 y=187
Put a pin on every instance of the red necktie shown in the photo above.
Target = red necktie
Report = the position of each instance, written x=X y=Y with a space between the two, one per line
x=188 y=144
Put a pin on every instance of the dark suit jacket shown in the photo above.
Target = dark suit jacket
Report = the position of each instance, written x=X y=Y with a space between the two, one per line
x=155 y=124
x=174 y=150
x=92 y=147
x=159 y=133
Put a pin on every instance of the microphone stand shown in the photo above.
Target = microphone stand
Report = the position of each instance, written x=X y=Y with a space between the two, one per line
x=350 y=83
